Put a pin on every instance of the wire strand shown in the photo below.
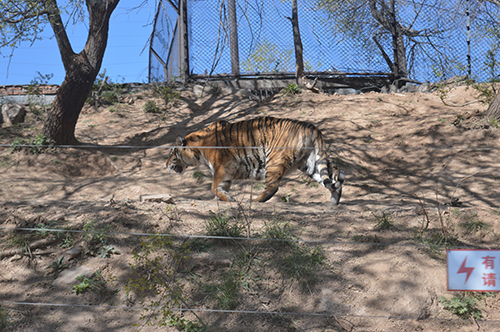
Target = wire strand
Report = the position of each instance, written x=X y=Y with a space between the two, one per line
x=142 y=147
x=253 y=312
x=214 y=237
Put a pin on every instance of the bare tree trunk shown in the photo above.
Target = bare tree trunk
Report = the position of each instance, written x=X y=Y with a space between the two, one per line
x=386 y=17
x=233 y=37
x=493 y=111
x=81 y=69
x=297 y=41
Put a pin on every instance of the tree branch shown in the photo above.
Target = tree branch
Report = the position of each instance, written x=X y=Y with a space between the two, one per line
x=62 y=39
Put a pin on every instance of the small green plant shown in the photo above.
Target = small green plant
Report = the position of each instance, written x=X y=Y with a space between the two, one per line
x=37 y=146
x=183 y=324
x=19 y=242
x=222 y=225
x=96 y=284
x=151 y=107
x=167 y=93
x=285 y=198
x=436 y=238
x=461 y=305
x=493 y=122
x=58 y=265
x=4 y=318
x=67 y=239
x=225 y=292
x=96 y=236
x=42 y=229
x=472 y=222
x=456 y=202
x=85 y=285
x=302 y=263
x=291 y=89
x=486 y=91
x=155 y=270
x=104 y=91
x=107 y=251
x=199 y=175
x=384 y=222
x=281 y=231
x=443 y=91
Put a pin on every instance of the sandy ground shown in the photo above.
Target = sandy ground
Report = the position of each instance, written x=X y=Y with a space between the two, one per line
x=400 y=152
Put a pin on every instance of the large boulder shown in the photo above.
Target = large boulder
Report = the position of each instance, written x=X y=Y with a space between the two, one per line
x=13 y=114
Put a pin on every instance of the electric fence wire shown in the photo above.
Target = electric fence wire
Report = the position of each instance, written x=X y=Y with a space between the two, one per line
x=228 y=238
x=143 y=147
x=252 y=312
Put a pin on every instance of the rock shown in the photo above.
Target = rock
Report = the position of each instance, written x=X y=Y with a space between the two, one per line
x=159 y=198
x=68 y=277
x=73 y=252
x=411 y=88
x=347 y=91
x=426 y=87
x=13 y=114
x=198 y=90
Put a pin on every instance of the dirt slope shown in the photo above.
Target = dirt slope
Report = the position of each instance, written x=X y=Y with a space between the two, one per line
x=399 y=152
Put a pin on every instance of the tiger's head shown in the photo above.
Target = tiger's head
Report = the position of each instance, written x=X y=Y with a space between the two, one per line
x=181 y=157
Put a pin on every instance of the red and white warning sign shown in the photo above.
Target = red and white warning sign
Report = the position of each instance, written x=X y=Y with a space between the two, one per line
x=473 y=270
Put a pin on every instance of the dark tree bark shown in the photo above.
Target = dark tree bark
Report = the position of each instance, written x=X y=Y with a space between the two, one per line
x=297 y=42
x=385 y=17
x=81 y=69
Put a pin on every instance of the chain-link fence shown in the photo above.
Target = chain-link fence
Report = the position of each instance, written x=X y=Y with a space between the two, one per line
x=439 y=38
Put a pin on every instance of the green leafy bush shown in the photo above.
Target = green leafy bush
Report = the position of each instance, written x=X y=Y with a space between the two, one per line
x=38 y=144
x=291 y=89
x=462 y=306
x=151 y=107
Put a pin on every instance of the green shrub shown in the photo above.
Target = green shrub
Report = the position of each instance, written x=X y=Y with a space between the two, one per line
x=291 y=89
x=151 y=107
x=462 y=306
x=167 y=93
x=222 y=225
x=39 y=144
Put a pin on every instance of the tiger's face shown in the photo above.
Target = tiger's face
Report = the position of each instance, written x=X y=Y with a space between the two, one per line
x=175 y=163
x=181 y=157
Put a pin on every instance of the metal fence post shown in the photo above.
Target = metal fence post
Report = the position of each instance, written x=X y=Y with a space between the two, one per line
x=467 y=22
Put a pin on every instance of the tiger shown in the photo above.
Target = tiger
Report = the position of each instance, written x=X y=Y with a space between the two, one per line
x=263 y=148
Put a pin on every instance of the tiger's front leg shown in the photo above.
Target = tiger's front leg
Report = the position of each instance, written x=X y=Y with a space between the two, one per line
x=221 y=184
x=274 y=174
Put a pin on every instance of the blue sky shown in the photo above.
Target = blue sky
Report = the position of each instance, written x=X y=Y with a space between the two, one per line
x=126 y=58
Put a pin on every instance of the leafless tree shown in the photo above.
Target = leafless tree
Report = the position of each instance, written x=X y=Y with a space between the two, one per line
x=398 y=35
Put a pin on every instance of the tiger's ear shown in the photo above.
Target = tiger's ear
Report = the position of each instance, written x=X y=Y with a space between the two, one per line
x=180 y=141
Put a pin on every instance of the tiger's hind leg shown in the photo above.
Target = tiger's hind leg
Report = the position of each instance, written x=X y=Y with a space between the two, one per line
x=322 y=172
x=336 y=188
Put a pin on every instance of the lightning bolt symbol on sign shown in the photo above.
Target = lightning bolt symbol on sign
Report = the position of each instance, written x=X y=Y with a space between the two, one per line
x=464 y=269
